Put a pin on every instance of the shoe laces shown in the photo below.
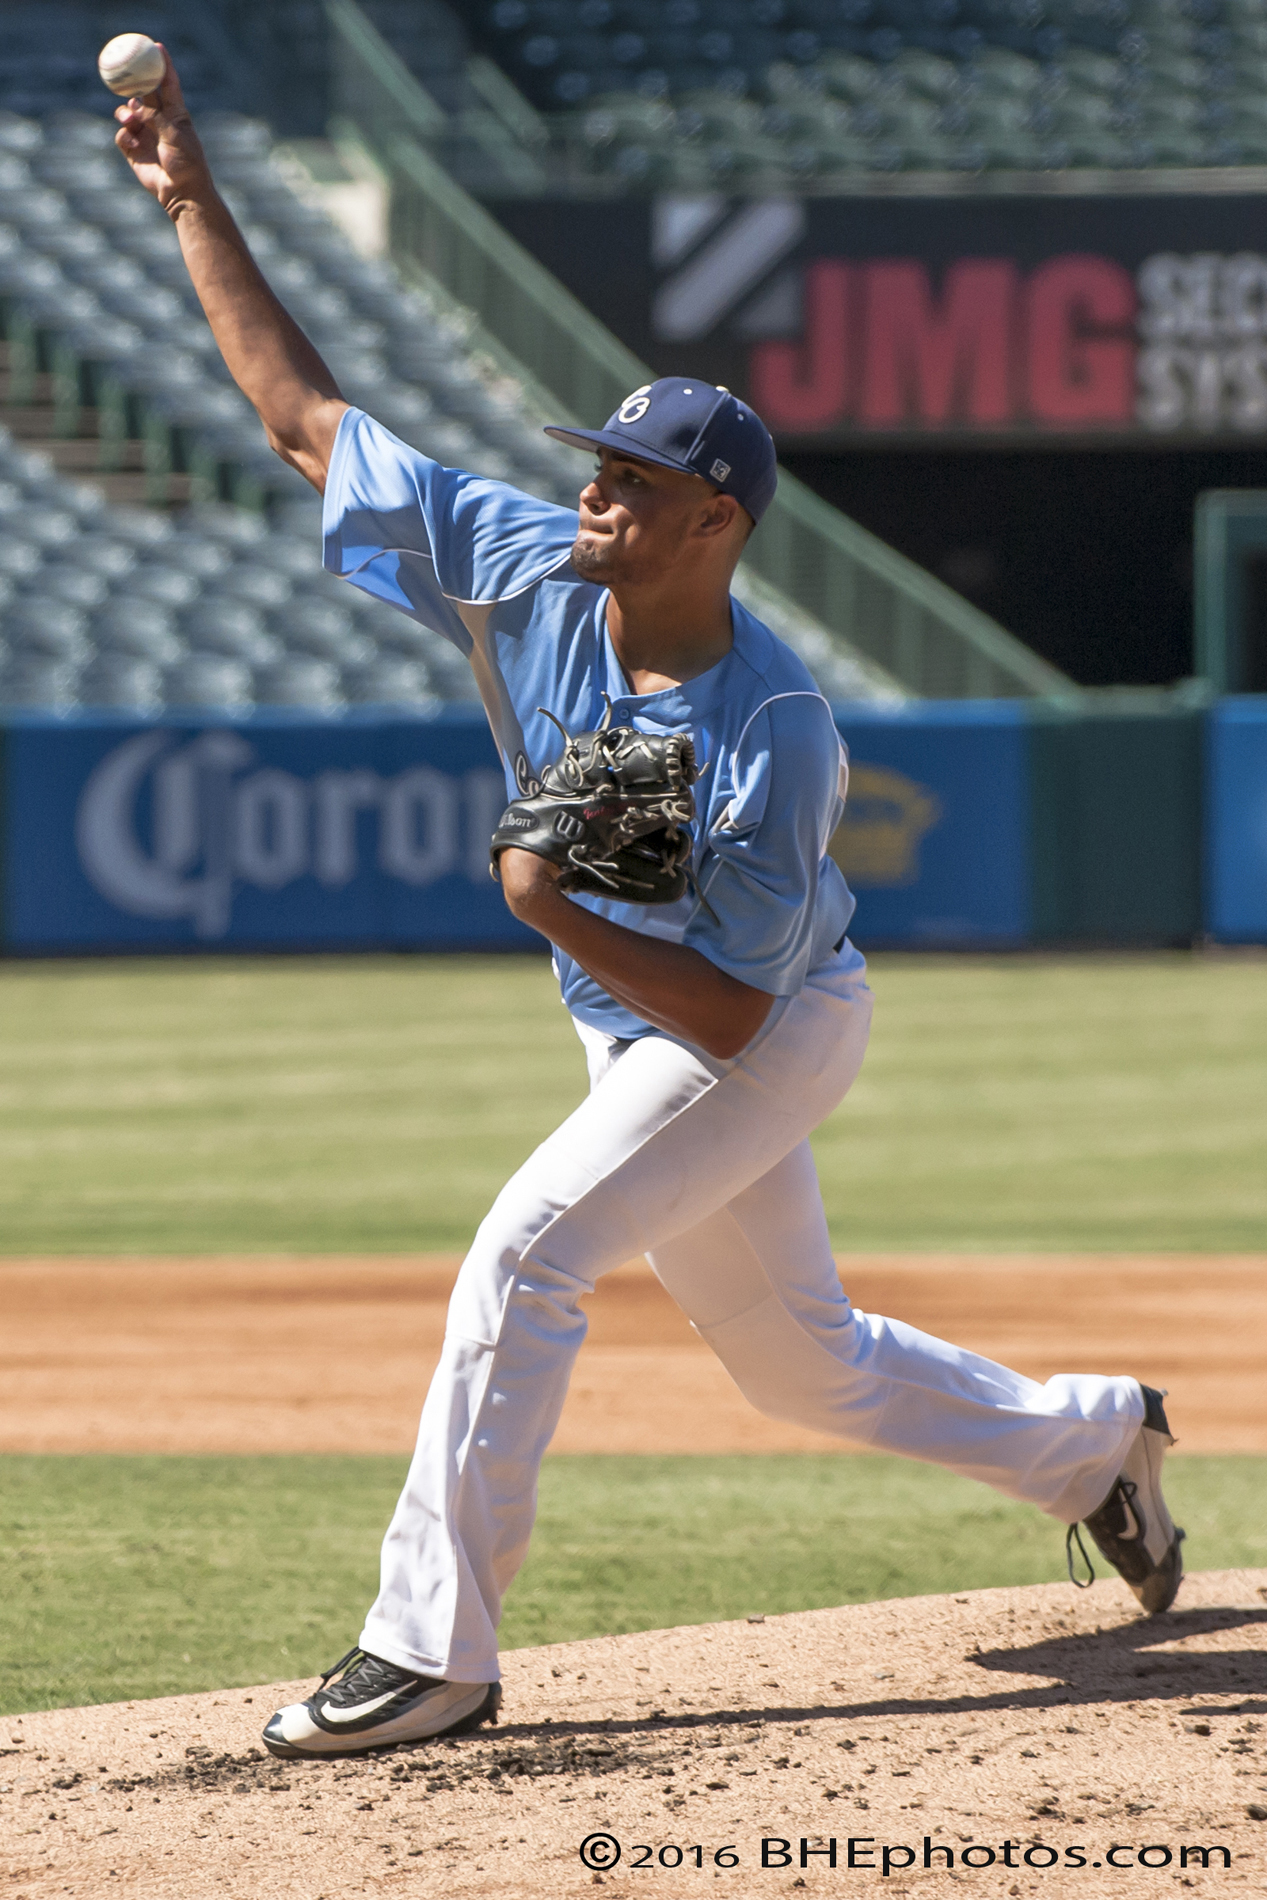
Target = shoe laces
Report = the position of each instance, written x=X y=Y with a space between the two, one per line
x=1074 y=1536
x=1130 y=1491
x=366 y=1676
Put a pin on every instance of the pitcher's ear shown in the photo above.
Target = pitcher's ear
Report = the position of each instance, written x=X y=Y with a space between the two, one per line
x=719 y=513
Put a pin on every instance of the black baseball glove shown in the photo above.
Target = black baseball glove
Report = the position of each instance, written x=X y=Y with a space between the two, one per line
x=612 y=812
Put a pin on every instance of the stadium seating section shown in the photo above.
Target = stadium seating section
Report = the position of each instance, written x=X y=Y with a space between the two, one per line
x=754 y=93
x=114 y=394
x=745 y=94
x=109 y=363
x=115 y=605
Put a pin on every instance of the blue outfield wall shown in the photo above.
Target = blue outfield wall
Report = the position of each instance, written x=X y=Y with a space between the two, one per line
x=262 y=832
x=1236 y=821
x=968 y=825
x=935 y=837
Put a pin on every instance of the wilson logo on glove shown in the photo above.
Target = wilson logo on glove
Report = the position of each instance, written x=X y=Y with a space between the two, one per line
x=612 y=813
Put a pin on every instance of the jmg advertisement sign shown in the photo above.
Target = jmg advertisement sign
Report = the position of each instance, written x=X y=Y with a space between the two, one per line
x=1040 y=320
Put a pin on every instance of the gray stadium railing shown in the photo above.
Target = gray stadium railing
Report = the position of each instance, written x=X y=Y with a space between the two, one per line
x=895 y=613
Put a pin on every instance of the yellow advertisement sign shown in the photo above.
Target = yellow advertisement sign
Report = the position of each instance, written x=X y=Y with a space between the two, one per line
x=876 y=843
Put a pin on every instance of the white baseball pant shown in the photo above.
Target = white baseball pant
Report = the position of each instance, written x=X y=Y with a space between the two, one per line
x=704 y=1166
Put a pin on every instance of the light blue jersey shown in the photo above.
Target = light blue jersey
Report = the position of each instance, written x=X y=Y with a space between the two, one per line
x=488 y=567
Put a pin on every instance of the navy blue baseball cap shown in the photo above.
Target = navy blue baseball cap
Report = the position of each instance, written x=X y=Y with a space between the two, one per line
x=696 y=427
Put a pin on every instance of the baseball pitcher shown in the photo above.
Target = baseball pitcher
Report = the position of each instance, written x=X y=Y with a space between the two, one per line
x=673 y=778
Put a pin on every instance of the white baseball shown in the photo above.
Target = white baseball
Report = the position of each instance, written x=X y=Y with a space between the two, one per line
x=131 y=64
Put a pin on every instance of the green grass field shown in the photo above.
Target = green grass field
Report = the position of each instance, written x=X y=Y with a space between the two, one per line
x=351 y=1105
x=131 y=1577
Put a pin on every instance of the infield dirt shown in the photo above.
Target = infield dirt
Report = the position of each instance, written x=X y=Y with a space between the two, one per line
x=1005 y=1723
x=334 y=1354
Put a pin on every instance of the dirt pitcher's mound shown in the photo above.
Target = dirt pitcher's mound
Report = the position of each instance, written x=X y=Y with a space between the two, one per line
x=1014 y=1741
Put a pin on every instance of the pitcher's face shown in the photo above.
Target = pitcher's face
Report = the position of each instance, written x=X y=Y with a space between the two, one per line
x=638 y=520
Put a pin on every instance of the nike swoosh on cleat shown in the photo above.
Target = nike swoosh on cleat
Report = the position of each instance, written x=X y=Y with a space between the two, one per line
x=361 y=1709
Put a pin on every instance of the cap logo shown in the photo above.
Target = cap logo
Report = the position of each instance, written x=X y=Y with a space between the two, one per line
x=720 y=470
x=635 y=407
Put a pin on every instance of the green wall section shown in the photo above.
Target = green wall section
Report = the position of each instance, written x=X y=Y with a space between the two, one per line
x=1116 y=825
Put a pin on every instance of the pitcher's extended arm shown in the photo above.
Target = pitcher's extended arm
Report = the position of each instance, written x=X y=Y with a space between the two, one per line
x=269 y=357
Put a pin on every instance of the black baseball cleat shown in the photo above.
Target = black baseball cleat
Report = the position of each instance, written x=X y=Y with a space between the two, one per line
x=365 y=1703
x=1133 y=1528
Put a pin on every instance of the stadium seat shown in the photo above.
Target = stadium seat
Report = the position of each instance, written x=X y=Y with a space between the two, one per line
x=165 y=586
x=229 y=629
x=39 y=684
x=389 y=681
x=121 y=681
x=208 y=679
x=307 y=625
x=18 y=559
x=46 y=527
x=139 y=629
x=47 y=628
x=256 y=586
x=67 y=580
x=105 y=554
x=143 y=528
x=299 y=680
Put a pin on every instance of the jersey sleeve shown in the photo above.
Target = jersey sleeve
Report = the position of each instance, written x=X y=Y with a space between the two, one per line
x=426 y=538
x=773 y=903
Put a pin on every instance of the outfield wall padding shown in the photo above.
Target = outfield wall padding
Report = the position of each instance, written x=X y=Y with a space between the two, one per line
x=1115 y=826
x=1236 y=821
x=988 y=824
